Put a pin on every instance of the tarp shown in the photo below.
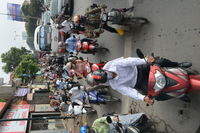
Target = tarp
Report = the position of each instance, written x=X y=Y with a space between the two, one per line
x=22 y=91
x=14 y=112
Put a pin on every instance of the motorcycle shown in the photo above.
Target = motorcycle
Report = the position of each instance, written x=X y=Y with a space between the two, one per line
x=130 y=123
x=93 y=97
x=166 y=83
x=120 y=17
x=98 y=97
x=75 y=109
x=81 y=67
x=84 y=67
x=89 y=47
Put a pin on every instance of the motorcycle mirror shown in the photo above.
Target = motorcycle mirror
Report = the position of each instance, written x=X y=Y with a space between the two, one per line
x=152 y=54
x=139 y=53
x=108 y=119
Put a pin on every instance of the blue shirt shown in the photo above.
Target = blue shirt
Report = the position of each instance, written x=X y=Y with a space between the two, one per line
x=71 y=44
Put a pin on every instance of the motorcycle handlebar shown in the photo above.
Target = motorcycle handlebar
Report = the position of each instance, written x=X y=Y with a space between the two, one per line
x=151 y=97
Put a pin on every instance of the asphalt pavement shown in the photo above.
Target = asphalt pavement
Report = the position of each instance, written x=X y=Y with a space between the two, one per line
x=174 y=33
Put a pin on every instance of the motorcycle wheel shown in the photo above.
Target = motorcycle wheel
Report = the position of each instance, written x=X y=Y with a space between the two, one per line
x=110 y=98
x=139 y=20
x=101 y=49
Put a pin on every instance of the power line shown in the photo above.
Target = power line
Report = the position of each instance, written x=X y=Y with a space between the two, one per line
x=19 y=15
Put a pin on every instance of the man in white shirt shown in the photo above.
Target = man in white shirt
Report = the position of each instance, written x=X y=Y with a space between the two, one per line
x=121 y=75
x=76 y=94
x=129 y=76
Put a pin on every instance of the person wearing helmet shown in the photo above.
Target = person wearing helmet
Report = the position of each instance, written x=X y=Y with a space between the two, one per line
x=129 y=76
x=79 y=46
x=61 y=47
x=92 y=20
x=68 y=71
x=92 y=24
x=121 y=75
x=100 y=125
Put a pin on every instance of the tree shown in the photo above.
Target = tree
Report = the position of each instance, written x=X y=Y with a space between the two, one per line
x=27 y=68
x=30 y=10
x=12 y=58
x=30 y=43
x=30 y=26
x=25 y=8
x=36 y=8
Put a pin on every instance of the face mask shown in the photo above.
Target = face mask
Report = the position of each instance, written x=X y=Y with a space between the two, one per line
x=109 y=75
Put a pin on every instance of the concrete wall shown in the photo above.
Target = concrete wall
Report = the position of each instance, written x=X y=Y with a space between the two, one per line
x=6 y=92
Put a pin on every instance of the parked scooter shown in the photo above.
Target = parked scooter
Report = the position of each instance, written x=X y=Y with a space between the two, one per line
x=121 y=17
x=89 y=47
x=166 y=83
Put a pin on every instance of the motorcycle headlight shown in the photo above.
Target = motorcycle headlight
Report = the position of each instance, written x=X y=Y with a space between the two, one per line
x=104 y=17
x=160 y=81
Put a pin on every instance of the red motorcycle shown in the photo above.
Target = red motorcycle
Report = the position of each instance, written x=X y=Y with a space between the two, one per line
x=89 y=47
x=85 y=67
x=170 y=83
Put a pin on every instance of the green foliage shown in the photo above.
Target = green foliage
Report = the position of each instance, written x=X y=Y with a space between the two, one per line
x=2 y=100
x=33 y=8
x=30 y=43
x=12 y=58
x=27 y=68
x=25 y=9
x=30 y=26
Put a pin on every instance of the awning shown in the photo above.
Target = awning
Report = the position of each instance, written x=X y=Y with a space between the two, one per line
x=14 y=112
x=22 y=91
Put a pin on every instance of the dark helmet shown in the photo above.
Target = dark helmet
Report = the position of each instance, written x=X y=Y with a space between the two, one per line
x=96 y=77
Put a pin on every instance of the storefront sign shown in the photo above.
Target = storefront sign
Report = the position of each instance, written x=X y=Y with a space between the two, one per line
x=14 y=112
x=43 y=108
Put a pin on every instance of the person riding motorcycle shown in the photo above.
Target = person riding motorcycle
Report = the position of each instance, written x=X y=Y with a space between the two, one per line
x=100 y=125
x=118 y=124
x=80 y=43
x=92 y=21
x=129 y=76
